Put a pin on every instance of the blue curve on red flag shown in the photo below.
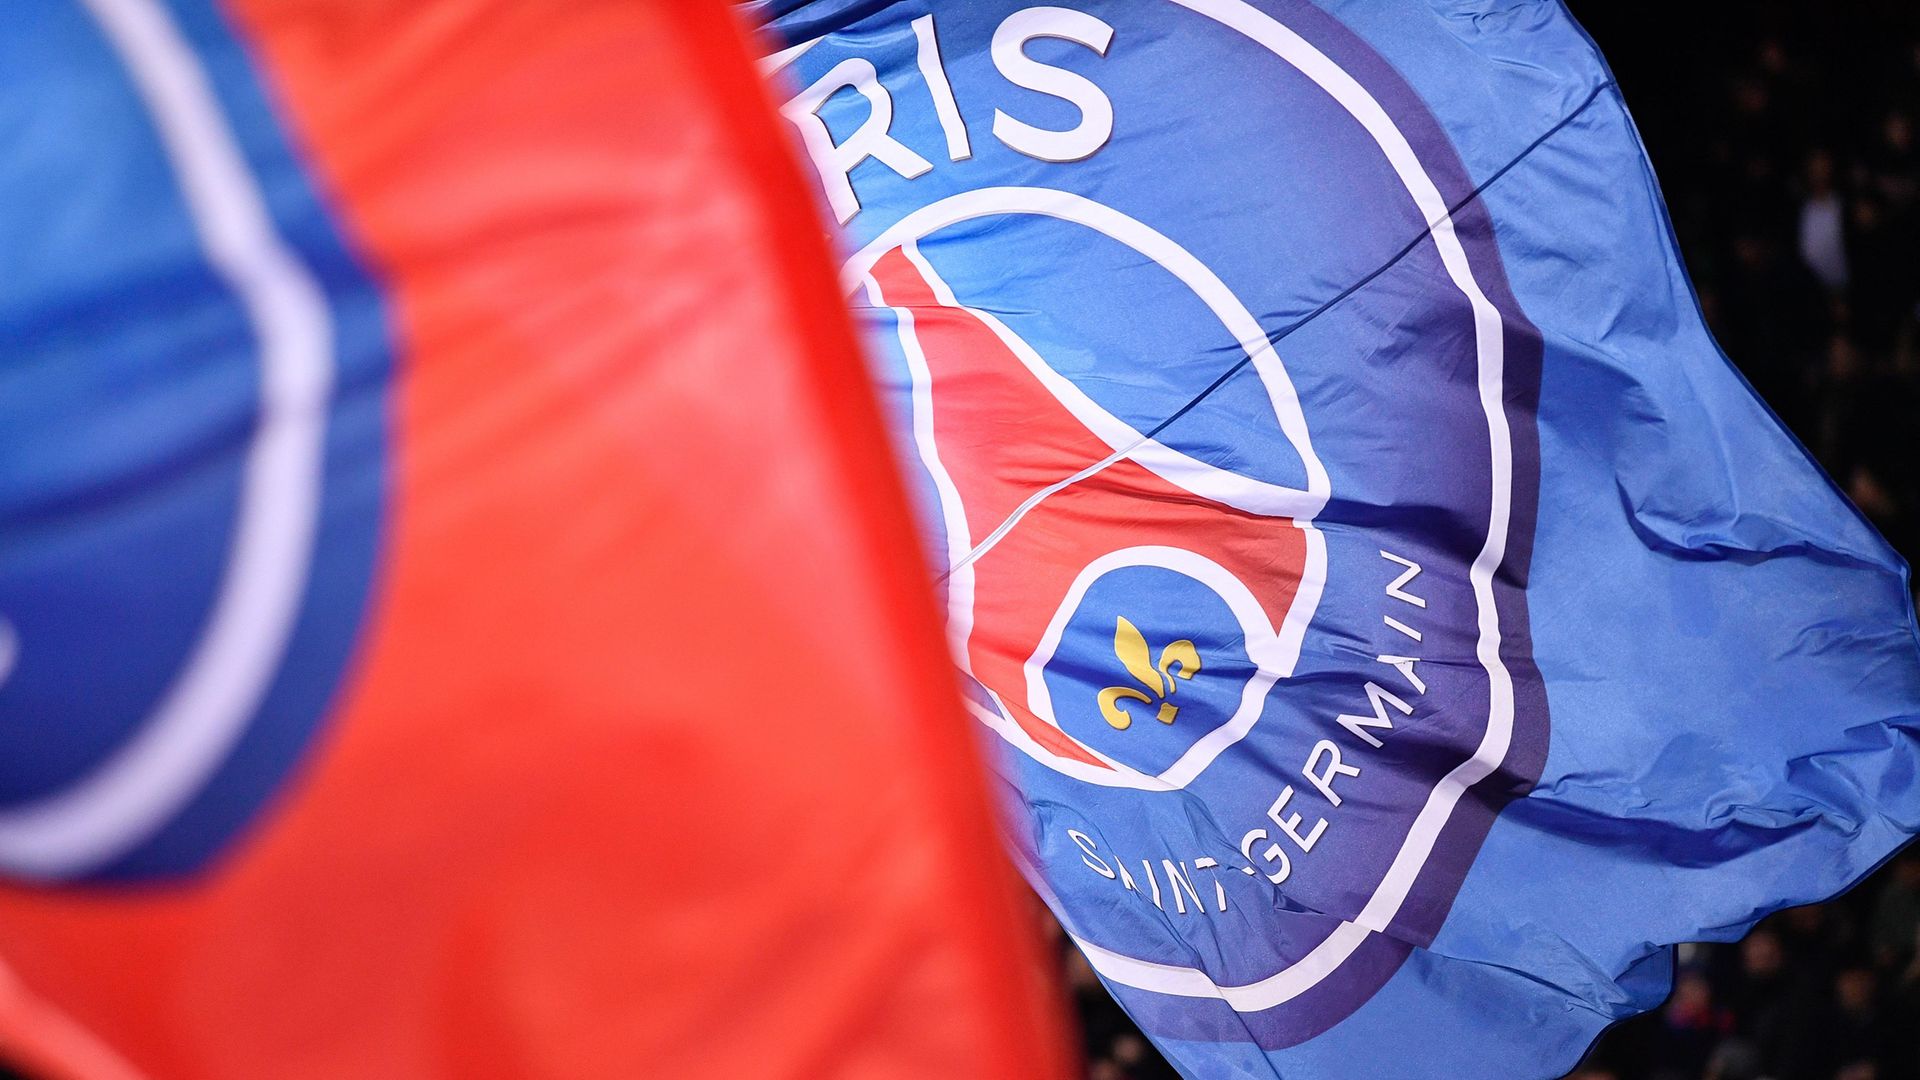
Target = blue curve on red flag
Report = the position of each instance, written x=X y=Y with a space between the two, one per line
x=1399 y=623
x=191 y=489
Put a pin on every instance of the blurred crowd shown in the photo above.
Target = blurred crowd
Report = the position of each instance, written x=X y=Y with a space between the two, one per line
x=1826 y=992
x=1111 y=1045
x=1784 y=135
x=1785 y=139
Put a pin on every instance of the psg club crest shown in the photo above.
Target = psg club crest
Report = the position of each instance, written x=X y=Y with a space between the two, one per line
x=1230 y=462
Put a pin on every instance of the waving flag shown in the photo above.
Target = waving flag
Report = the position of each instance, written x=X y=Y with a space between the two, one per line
x=459 y=616
x=1400 y=623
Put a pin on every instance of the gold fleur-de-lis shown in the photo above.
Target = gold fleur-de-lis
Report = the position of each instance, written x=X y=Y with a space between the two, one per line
x=1179 y=660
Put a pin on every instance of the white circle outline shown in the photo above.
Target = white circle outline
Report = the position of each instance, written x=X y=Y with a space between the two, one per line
x=1489 y=329
x=138 y=788
x=1490 y=358
x=1263 y=646
x=1200 y=478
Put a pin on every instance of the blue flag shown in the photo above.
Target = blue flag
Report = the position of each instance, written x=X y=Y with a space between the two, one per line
x=1400 y=622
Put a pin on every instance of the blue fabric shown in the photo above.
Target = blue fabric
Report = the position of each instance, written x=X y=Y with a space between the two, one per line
x=130 y=391
x=1707 y=658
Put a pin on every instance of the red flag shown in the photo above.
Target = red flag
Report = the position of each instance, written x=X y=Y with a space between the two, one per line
x=646 y=759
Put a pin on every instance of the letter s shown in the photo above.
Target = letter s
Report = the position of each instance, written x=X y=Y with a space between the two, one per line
x=1096 y=111
x=1087 y=854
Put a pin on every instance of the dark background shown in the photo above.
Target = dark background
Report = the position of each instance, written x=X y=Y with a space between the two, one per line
x=1769 y=123
x=1783 y=136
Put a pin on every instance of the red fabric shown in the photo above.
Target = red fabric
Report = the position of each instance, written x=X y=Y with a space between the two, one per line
x=651 y=764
